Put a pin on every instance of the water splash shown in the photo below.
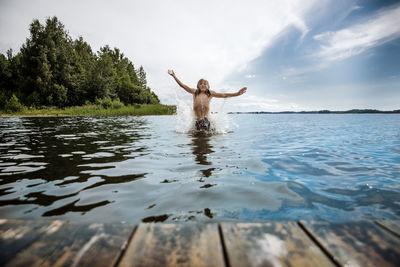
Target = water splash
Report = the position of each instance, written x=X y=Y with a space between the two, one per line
x=185 y=118
x=221 y=121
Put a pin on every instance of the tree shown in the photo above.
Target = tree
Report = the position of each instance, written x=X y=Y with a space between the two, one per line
x=142 y=77
x=132 y=74
x=13 y=104
x=105 y=81
x=47 y=58
x=83 y=68
x=5 y=73
x=52 y=69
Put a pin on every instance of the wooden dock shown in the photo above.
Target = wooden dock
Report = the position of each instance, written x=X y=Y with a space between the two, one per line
x=61 y=243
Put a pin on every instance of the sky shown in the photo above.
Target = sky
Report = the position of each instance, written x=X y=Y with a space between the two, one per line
x=291 y=55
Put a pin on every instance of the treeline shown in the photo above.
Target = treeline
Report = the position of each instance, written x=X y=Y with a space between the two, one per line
x=51 y=69
x=352 y=111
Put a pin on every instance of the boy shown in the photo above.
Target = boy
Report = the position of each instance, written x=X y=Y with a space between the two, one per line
x=201 y=100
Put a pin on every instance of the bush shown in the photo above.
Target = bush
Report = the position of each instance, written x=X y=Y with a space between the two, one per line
x=105 y=102
x=33 y=100
x=108 y=103
x=13 y=104
x=116 y=104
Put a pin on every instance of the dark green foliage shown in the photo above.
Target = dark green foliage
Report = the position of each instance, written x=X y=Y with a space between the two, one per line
x=142 y=77
x=84 y=65
x=5 y=72
x=105 y=102
x=51 y=69
x=3 y=99
x=109 y=103
x=13 y=105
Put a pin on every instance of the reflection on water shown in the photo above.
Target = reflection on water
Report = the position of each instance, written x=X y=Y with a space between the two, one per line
x=201 y=149
x=329 y=167
x=52 y=158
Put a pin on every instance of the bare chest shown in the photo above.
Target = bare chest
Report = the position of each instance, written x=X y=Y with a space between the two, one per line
x=201 y=100
x=201 y=105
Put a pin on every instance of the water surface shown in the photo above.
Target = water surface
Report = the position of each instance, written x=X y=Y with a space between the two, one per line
x=268 y=167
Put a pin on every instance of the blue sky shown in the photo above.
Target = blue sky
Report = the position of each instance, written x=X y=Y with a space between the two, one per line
x=291 y=73
x=292 y=55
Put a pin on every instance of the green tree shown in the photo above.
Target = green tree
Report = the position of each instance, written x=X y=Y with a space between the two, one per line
x=13 y=104
x=132 y=74
x=5 y=73
x=16 y=75
x=105 y=79
x=142 y=77
x=83 y=68
x=53 y=70
x=47 y=58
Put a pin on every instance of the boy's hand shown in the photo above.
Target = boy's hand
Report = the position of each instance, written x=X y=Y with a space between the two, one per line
x=242 y=91
x=171 y=72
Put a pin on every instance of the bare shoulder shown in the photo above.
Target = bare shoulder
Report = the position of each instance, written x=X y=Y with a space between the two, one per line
x=192 y=90
x=189 y=89
x=213 y=93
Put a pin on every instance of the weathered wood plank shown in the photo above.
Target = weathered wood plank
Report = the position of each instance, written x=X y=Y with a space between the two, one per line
x=357 y=243
x=393 y=226
x=270 y=244
x=174 y=245
x=73 y=244
x=106 y=246
x=16 y=235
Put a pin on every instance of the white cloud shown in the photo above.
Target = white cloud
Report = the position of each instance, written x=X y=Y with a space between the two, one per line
x=250 y=76
x=254 y=98
x=298 y=71
x=250 y=102
x=269 y=107
x=380 y=28
x=225 y=38
x=372 y=31
x=198 y=39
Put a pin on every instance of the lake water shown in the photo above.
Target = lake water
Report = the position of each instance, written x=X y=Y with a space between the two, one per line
x=263 y=167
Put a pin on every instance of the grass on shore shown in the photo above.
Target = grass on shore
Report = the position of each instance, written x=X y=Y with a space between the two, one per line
x=96 y=110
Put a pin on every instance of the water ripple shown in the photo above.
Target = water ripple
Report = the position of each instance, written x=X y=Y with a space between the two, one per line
x=138 y=169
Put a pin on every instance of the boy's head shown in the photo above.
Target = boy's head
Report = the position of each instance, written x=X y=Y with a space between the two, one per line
x=203 y=85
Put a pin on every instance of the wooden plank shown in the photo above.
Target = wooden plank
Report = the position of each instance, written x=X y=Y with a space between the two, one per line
x=391 y=226
x=16 y=235
x=174 y=245
x=270 y=244
x=75 y=244
x=105 y=248
x=357 y=243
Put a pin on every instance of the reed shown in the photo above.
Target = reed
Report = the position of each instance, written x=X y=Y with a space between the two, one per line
x=96 y=110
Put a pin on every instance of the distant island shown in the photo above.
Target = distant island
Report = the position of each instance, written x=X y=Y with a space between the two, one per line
x=356 y=111
x=53 y=74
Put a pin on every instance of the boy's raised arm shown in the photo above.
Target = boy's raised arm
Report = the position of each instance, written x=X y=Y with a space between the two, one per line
x=184 y=86
x=225 y=95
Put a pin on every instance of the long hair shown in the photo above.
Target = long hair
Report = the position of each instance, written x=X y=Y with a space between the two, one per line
x=208 y=93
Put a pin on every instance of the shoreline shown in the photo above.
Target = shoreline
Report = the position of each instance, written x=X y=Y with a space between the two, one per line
x=94 y=111
x=351 y=111
x=70 y=116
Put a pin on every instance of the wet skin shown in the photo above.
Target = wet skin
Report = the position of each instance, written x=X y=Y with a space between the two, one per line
x=201 y=101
